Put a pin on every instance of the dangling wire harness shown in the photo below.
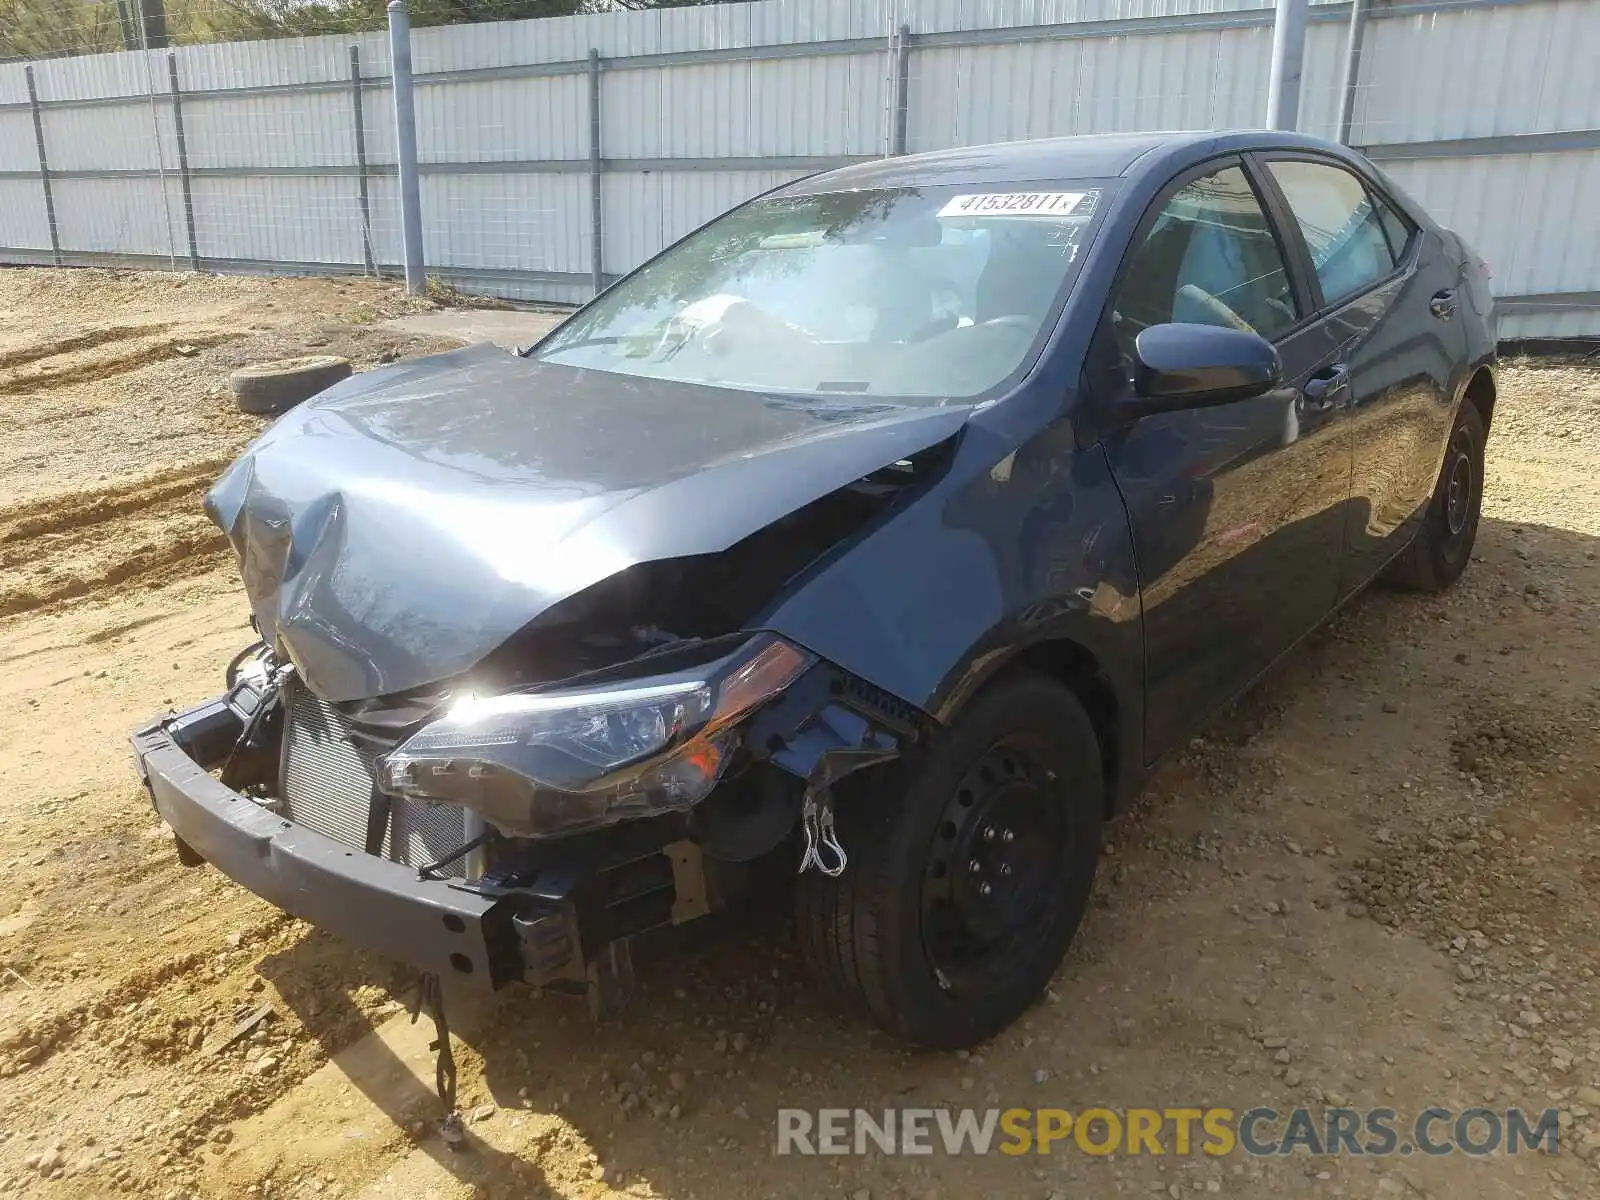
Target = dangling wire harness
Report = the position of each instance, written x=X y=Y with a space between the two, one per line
x=816 y=823
x=429 y=998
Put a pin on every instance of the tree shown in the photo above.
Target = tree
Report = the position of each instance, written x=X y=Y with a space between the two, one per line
x=299 y=18
x=43 y=28
x=39 y=28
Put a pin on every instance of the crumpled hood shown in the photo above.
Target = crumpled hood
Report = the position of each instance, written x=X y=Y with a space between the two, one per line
x=400 y=526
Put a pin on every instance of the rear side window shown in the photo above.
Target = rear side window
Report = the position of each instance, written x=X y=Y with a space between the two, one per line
x=1396 y=226
x=1343 y=229
x=1210 y=258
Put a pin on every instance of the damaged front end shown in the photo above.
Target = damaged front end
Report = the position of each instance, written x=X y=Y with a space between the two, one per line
x=549 y=837
x=541 y=836
x=519 y=713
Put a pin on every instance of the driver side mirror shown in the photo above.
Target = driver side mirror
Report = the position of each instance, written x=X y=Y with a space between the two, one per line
x=1178 y=366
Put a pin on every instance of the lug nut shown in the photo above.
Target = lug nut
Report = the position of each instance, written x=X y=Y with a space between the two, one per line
x=974 y=866
x=988 y=833
x=1008 y=836
x=984 y=889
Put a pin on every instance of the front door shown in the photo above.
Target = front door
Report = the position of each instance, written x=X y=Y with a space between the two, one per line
x=1238 y=509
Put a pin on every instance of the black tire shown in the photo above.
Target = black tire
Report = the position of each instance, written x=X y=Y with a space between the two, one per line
x=904 y=936
x=1443 y=546
x=275 y=387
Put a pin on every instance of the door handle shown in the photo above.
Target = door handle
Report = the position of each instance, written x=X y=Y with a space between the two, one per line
x=1443 y=304
x=1327 y=389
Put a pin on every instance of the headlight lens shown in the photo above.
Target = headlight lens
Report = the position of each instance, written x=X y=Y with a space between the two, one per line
x=544 y=764
x=602 y=730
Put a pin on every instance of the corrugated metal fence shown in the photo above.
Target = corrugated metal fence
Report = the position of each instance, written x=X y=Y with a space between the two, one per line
x=560 y=151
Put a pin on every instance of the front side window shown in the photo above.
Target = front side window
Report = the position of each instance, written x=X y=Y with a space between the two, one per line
x=1344 y=233
x=1210 y=258
x=928 y=293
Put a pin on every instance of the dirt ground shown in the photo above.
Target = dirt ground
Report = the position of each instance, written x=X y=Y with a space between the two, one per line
x=1376 y=881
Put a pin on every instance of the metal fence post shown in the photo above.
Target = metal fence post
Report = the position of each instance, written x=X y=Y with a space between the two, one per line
x=900 y=64
x=44 y=167
x=1288 y=61
x=362 y=195
x=405 y=145
x=183 y=161
x=153 y=24
x=597 y=269
x=1352 y=69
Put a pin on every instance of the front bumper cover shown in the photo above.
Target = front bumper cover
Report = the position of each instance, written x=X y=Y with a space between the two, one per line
x=433 y=925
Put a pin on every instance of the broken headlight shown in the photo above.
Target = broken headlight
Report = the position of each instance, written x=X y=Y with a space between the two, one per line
x=552 y=763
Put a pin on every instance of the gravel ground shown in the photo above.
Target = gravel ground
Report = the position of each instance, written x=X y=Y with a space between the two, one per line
x=1373 y=882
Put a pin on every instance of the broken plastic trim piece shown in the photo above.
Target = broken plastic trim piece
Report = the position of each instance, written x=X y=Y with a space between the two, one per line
x=267 y=676
x=827 y=727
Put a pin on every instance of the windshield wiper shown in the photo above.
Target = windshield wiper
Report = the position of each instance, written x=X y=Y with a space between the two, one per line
x=594 y=341
x=658 y=346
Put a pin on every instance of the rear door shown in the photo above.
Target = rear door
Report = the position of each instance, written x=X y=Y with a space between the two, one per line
x=1238 y=509
x=1387 y=293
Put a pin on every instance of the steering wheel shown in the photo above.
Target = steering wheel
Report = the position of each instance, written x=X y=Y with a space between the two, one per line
x=944 y=300
x=1215 y=307
x=931 y=329
x=1010 y=321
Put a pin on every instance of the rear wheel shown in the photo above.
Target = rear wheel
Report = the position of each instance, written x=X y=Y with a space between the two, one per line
x=969 y=876
x=1443 y=546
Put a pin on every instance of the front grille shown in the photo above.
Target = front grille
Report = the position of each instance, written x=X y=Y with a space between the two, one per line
x=327 y=786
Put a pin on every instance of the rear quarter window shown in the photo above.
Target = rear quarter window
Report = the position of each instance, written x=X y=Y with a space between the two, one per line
x=1396 y=227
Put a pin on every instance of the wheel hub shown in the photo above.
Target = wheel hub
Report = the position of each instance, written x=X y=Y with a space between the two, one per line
x=997 y=866
x=1458 y=494
x=998 y=844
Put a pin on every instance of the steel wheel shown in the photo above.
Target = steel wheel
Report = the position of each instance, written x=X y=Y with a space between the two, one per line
x=1443 y=545
x=1459 y=477
x=998 y=846
x=970 y=869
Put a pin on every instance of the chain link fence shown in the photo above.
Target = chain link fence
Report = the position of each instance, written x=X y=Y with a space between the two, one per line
x=554 y=154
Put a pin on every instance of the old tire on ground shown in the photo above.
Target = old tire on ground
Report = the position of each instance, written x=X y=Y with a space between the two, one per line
x=970 y=869
x=275 y=387
x=1443 y=545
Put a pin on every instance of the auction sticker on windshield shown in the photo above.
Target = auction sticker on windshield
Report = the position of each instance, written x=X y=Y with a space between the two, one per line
x=1017 y=204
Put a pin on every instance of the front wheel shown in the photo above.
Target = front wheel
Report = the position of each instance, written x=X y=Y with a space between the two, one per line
x=968 y=876
x=1443 y=545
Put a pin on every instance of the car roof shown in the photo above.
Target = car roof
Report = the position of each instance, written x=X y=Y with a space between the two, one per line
x=1091 y=156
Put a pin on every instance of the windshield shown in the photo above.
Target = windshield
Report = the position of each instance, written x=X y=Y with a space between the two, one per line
x=935 y=293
